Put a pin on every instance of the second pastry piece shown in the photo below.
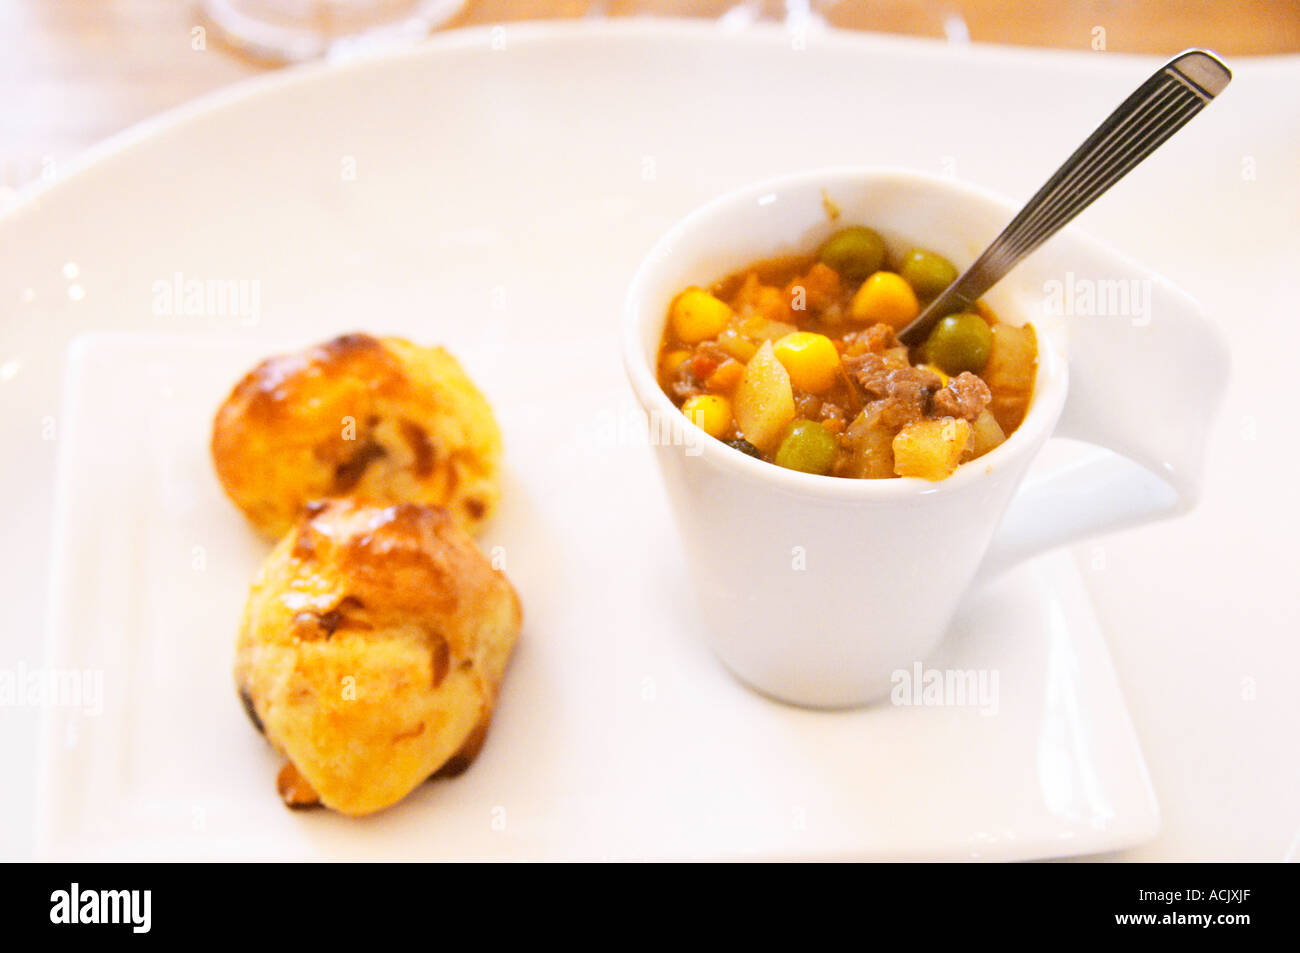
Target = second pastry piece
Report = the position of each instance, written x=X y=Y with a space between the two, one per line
x=371 y=652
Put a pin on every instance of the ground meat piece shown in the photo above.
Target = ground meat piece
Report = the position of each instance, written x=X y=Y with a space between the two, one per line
x=693 y=372
x=893 y=412
x=708 y=357
x=807 y=406
x=896 y=394
x=965 y=396
x=830 y=411
x=873 y=340
x=821 y=287
x=686 y=387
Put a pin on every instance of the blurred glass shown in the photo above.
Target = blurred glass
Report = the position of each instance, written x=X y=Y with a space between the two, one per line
x=292 y=30
x=306 y=29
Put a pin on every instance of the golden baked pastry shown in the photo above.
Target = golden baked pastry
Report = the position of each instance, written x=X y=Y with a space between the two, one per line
x=371 y=650
x=376 y=418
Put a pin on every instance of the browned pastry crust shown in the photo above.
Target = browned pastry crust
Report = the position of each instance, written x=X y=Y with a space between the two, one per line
x=377 y=418
x=371 y=651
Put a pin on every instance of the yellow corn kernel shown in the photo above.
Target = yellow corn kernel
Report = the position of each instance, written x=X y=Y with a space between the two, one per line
x=698 y=315
x=943 y=378
x=886 y=298
x=672 y=361
x=810 y=359
x=726 y=377
x=710 y=412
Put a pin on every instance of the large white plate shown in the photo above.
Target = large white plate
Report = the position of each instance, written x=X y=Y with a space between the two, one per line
x=618 y=735
x=497 y=197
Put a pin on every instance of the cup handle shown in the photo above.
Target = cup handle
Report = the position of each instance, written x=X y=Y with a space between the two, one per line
x=1145 y=392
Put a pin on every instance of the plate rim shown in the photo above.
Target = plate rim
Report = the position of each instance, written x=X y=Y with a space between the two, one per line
x=27 y=197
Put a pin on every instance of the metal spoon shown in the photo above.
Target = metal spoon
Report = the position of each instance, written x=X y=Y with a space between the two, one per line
x=1156 y=110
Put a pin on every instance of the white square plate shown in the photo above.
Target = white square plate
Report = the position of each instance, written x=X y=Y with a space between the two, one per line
x=617 y=735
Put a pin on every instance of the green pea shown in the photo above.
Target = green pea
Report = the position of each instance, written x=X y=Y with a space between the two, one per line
x=960 y=342
x=855 y=252
x=807 y=446
x=927 y=273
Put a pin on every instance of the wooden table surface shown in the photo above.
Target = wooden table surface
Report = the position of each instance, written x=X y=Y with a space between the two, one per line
x=73 y=72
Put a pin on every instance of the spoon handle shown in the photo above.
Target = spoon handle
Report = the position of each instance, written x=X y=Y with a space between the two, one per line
x=1156 y=110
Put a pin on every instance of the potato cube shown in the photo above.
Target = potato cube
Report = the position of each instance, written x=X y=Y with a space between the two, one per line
x=764 y=400
x=1012 y=364
x=869 y=450
x=985 y=435
x=930 y=449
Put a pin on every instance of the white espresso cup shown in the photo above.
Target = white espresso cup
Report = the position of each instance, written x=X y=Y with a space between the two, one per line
x=816 y=589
